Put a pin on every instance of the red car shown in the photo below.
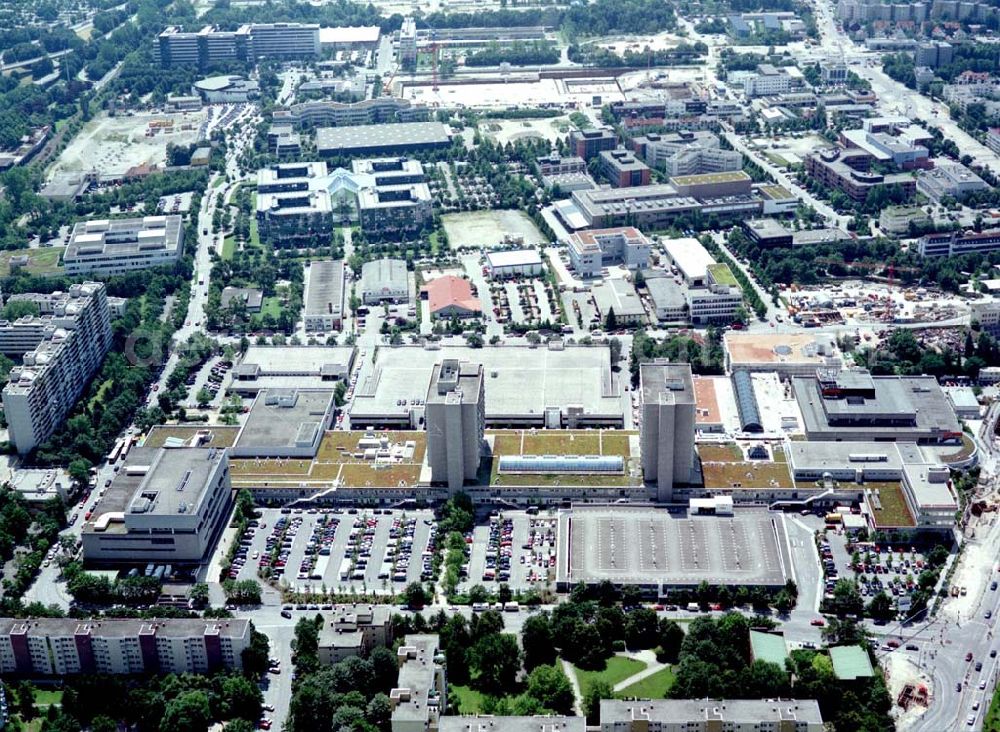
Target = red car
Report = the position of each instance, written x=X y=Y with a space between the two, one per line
x=818 y=622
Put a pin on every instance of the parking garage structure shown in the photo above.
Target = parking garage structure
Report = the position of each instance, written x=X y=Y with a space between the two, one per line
x=657 y=549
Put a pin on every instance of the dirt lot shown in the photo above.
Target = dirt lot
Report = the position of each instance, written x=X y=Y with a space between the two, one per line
x=112 y=145
x=487 y=229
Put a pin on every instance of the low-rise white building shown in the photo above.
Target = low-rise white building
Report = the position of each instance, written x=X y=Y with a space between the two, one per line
x=384 y=280
x=513 y=263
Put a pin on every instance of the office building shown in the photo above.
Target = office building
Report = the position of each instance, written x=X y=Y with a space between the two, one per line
x=283 y=140
x=591 y=250
x=455 y=413
x=56 y=370
x=451 y=297
x=993 y=139
x=325 y=113
x=350 y=38
x=116 y=246
x=713 y=185
x=666 y=434
x=949 y=178
x=899 y=219
x=382 y=139
x=555 y=165
x=294 y=218
x=165 y=505
x=767 y=81
x=711 y=715
x=954 y=243
x=687 y=153
x=587 y=144
x=768 y=233
x=395 y=171
x=854 y=405
x=408 y=42
x=211 y=46
x=69 y=646
x=622 y=169
x=324 y=296
x=354 y=630
x=986 y=312
x=421 y=692
x=652 y=206
x=384 y=280
x=900 y=151
x=667 y=297
x=848 y=171
x=395 y=209
x=719 y=301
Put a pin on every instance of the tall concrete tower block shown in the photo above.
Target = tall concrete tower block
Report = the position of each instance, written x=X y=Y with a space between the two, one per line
x=667 y=432
x=455 y=415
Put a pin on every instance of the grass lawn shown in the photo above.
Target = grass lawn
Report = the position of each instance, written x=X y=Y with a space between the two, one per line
x=468 y=699
x=41 y=261
x=653 y=686
x=991 y=723
x=271 y=305
x=48 y=697
x=101 y=392
x=228 y=246
x=618 y=668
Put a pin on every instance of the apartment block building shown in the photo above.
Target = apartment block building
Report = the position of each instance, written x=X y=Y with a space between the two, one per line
x=116 y=246
x=421 y=692
x=953 y=243
x=55 y=372
x=711 y=715
x=67 y=646
x=165 y=505
x=354 y=630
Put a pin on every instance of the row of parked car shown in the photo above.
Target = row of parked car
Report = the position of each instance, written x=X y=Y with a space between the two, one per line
x=499 y=549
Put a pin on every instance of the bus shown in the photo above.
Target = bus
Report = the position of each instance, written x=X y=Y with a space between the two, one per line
x=116 y=452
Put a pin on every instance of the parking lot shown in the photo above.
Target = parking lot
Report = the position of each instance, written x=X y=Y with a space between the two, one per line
x=347 y=550
x=892 y=569
x=513 y=548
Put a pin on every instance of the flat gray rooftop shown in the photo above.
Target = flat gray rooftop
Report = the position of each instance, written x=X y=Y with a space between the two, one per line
x=290 y=422
x=325 y=288
x=647 y=545
x=179 y=477
x=486 y=723
x=744 y=712
x=518 y=380
x=367 y=137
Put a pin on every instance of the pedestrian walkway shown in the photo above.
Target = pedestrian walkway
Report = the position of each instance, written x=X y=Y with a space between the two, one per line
x=652 y=666
x=575 y=682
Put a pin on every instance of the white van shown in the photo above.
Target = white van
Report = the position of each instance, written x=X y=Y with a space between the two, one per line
x=693 y=607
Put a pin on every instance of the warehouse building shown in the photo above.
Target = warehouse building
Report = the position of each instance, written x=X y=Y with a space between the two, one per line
x=854 y=405
x=324 y=296
x=382 y=139
x=572 y=387
x=514 y=263
x=285 y=423
x=385 y=280
x=56 y=370
x=116 y=246
x=70 y=646
x=164 y=505
x=618 y=296
x=291 y=367
x=451 y=297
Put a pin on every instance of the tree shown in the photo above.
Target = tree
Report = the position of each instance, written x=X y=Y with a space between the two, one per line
x=255 y=656
x=497 y=658
x=203 y=397
x=641 y=629
x=188 y=712
x=550 y=687
x=504 y=594
x=237 y=725
x=615 y=346
x=598 y=690
x=198 y=594
x=415 y=596
x=670 y=638
x=536 y=637
x=880 y=608
x=385 y=668
x=242 y=698
x=610 y=321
